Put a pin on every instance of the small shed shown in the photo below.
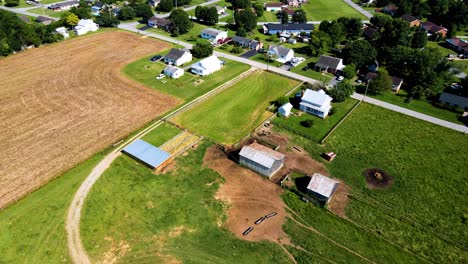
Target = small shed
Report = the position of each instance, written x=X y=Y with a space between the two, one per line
x=285 y=110
x=173 y=71
x=146 y=153
x=261 y=159
x=322 y=187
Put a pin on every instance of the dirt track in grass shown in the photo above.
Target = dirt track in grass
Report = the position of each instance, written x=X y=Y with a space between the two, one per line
x=61 y=103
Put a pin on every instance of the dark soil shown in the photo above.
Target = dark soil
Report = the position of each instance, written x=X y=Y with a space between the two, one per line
x=377 y=178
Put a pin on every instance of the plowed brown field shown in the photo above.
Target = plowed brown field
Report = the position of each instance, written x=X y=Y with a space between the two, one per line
x=62 y=103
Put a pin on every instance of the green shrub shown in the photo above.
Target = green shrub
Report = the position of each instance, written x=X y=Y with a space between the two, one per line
x=307 y=123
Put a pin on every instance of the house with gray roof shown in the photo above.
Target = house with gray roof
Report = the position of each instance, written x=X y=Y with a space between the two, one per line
x=159 y=22
x=280 y=53
x=329 y=64
x=454 y=99
x=322 y=188
x=64 y=5
x=214 y=35
x=316 y=103
x=261 y=159
x=173 y=71
x=290 y=28
x=247 y=43
x=178 y=57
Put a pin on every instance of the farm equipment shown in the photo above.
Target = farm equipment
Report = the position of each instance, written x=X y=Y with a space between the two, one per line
x=271 y=215
x=247 y=231
x=260 y=220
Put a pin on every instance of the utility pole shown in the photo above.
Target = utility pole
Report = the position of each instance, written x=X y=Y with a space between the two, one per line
x=365 y=93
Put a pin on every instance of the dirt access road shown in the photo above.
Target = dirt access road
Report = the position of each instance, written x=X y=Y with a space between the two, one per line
x=61 y=103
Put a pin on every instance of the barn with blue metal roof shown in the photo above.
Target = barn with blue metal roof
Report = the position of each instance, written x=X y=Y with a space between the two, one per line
x=148 y=154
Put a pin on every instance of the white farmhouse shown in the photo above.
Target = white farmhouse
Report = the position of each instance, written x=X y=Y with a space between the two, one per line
x=173 y=71
x=316 y=103
x=206 y=66
x=178 y=57
x=85 y=26
x=214 y=35
x=285 y=110
x=281 y=54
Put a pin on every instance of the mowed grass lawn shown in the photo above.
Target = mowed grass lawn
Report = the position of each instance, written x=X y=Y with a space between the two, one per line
x=139 y=217
x=425 y=211
x=185 y=87
x=233 y=113
x=318 y=10
x=161 y=134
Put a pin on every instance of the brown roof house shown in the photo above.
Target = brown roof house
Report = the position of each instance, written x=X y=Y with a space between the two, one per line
x=390 y=9
x=432 y=28
x=458 y=45
x=414 y=22
x=261 y=159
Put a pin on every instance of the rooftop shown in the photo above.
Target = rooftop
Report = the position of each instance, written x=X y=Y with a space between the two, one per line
x=146 y=153
x=322 y=185
x=290 y=26
x=175 y=54
x=212 y=31
x=328 y=61
x=261 y=154
x=316 y=98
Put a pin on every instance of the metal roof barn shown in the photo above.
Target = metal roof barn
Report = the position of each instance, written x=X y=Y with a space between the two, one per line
x=322 y=186
x=146 y=153
x=261 y=159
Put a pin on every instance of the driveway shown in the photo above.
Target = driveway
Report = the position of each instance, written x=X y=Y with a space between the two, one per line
x=249 y=54
x=333 y=82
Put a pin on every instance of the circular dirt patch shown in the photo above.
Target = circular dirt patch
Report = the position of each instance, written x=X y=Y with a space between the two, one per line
x=377 y=178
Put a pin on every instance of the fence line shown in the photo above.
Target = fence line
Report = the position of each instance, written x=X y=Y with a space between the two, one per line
x=339 y=123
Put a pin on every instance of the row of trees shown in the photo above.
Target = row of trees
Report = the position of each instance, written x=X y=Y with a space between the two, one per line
x=299 y=16
x=208 y=15
x=16 y=35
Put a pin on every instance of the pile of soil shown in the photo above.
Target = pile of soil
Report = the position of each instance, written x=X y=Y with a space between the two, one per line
x=377 y=178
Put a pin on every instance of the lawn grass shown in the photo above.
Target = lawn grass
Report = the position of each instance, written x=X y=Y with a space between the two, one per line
x=22 y=3
x=420 y=105
x=171 y=216
x=440 y=46
x=161 y=134
x=233 y=113
x=47 y=12
x=318 y=10
x=320 y=126
x=424 y=212
x=145 y=71
x=33 y=229
x=268 y=17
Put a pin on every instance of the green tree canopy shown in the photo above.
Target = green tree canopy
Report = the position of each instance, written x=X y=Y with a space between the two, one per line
x=359 y=52
x=341 y=91
x=383 y=82
x=246 y=19
x=180 y=21
x=202 y=49
x=419 y=40
x=126 y=13
x=299 y=16
x=165 y=6
x=240 y=4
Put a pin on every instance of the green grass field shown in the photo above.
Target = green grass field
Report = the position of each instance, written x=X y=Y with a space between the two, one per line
x=145 y=71
x=233 y=113
x=161 y=134
x=47 y=12
x=320 y=126
x=318 y=10
x=33 y=229
x=172 y=216
x=424 y=212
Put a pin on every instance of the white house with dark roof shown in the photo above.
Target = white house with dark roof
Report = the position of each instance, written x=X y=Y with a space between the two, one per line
x=280 y=53
x=290 y=28
x=273 y=7
x=213 y=34
x=329 y=64
x=178 y=57
x=206 y=66
x=261 y=159
x=315 y=103
x=173 y=71
x=322 y=187
x=159 y=22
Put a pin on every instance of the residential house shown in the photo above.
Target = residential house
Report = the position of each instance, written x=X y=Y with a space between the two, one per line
x=285 y=110
x=280 y=53
x=322 y=188
x=84 y=26
x=273 y=7
x=458 y=45
x=288 y=11
x=154 y=3
x=44 y=20
x=62 y=31
x=315 y=103
x=414 y=22
x=178 y=57
x=206 y=66
x=329 y=64
x=261 y=159
x=173 y=71
x=97 y=7
x=304 y=39
x=432 y=29
x=221 y=10
x=454 y=99
x=214 y=35
x=158 y=22
x=370 y=33
x=293 y=3
x=247 y=43
x=291 y=28
x=396 y=81
x=390 y=9
x=64 y=5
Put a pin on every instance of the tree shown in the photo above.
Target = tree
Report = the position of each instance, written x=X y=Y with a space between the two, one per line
x=11 y=2
x=359 y=52
x=299 y=16
x=107 y=19
x=237 y=50
x=212 y=15
x=319 y=42
x=200 y=12
x=352 y=26
x=383 y=82
x=284 y=16
x=202 y=50
x=83 y=11
x=419 y=40
x=281 y=101
x=246 y=19
x=259 y=10
x=144 y=11
x=341 y=91
x=126 y=13
x=240 y=4
x=165 y=6
x=70 y=20
x=241 y=32
x=349 y=71
x=180 y=21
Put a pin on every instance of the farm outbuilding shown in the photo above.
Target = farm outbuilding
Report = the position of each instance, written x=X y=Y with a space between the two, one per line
x=285 y=110
x=261 y=159
x=148 y=154
x=322 y=187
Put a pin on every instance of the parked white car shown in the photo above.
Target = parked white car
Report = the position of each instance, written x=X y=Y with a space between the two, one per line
x=160 y=76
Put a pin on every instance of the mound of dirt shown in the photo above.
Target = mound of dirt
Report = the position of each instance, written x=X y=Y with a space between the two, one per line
x=250 y=197
x=377 y=178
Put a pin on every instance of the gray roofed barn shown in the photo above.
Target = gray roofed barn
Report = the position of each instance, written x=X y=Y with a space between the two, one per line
x=322 y=187
x=261 y=159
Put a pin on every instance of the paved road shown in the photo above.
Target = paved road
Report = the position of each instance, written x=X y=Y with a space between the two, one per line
x=358 y=8
x=190 y=7
x=24 y=11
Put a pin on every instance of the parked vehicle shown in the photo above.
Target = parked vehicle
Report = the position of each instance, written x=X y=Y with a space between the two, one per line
x=160 y=76
x=340 y=78
x=156 y=58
